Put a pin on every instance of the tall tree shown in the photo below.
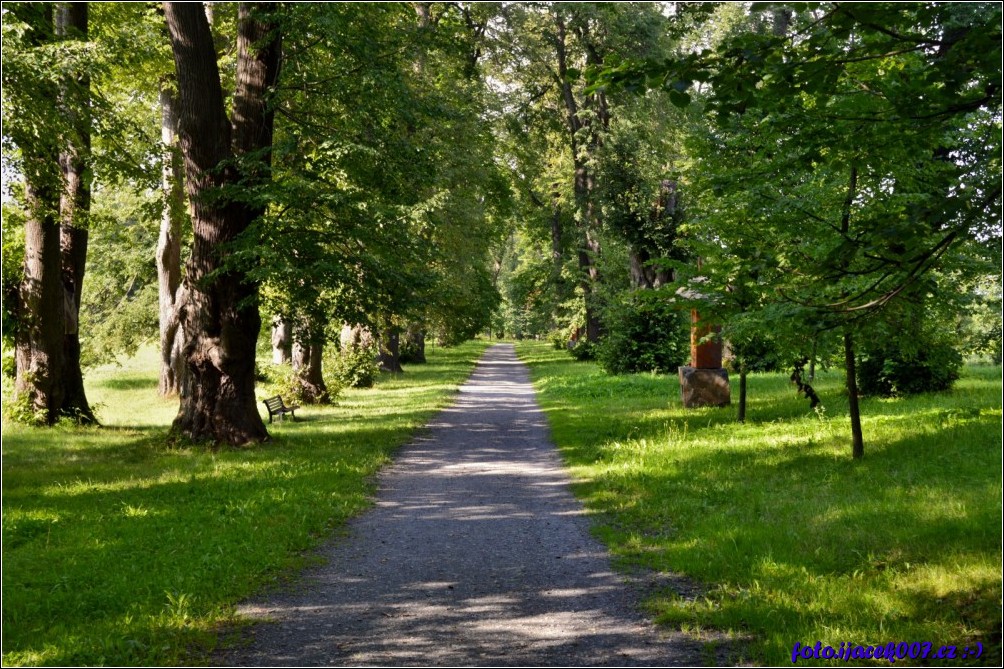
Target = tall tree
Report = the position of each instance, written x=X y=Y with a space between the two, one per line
x=173 y=370
x=41 y=315
x=856 y=148
x=224 y=161
x=551 y=106
x=74 y=206
x=585 y=122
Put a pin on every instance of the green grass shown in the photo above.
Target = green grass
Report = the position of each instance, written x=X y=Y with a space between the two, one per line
x=120 y=550
x=787 y=538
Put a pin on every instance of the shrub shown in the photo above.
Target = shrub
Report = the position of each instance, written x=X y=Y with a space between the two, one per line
x=885 y=370
x=356 y=367
x=583 y=350
x=287 y=385
x=558 y=339
x=644 y=334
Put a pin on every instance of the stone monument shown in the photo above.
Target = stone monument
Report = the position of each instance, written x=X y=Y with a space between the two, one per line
x=704 y=382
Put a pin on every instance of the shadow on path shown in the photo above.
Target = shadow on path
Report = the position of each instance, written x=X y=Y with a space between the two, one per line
x=476 y=554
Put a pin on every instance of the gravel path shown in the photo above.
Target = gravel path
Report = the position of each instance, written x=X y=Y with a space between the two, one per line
x=475 y=554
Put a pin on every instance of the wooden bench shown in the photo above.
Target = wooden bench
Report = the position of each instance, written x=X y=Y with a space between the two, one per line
x=276 y=407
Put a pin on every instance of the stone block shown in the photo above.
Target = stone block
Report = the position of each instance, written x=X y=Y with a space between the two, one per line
x=704 y=387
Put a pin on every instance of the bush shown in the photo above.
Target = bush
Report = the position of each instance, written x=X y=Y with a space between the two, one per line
x=287 y=385
x=558 y=339
x=356 y=367
x=583 y=350
x=645 y=334
x=885 y=370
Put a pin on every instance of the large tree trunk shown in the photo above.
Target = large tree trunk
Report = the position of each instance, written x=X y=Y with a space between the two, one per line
x=282 y=341
x=42 y=314
x=390 y=351
x=74 y=207
x=219 y=313
x=173 y=370
x=38 y=387
x=355 y=336
x=307 y=356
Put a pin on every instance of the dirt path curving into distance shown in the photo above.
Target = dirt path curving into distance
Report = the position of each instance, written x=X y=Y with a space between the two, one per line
x=476 y=553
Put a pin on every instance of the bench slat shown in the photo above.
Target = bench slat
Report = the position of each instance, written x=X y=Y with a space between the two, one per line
x=276 y=407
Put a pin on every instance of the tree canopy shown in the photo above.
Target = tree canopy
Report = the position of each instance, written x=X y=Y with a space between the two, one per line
x=810 y=176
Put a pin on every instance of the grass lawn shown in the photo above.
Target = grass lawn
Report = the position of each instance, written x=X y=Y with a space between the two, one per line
x=786 y=538
x=120 y=550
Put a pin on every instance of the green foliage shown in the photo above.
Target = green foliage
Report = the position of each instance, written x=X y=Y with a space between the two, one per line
x=583 y=350
x=119 y=307
x=558 y=339
x=644 y=333
x=528 y=286
x=12 y=269
x=762 y=522
x=980 y=327
x=283 y=381
x=756 y=353
x=384 y=190
x=355 y=367
x=21 y=408
x=886 y=371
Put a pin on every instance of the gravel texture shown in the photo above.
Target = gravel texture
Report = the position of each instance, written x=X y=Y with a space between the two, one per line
x=476 y=553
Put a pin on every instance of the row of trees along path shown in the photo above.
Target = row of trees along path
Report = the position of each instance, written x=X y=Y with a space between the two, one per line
x=836 y=164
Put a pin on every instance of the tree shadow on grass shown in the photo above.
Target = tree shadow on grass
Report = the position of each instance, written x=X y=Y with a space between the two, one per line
x=789 y=537
x=127 y=382
x=90 y=547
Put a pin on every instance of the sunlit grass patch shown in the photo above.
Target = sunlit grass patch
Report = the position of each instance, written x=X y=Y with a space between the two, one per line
x=119 y=549
x=789 y=538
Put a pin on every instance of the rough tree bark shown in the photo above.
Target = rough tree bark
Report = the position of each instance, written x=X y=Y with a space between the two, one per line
x=41 y=309
x=74 y=207
x=307 y=355
x=174 y=377
x=38 y=386
x=219 y=312
x=282 y=341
